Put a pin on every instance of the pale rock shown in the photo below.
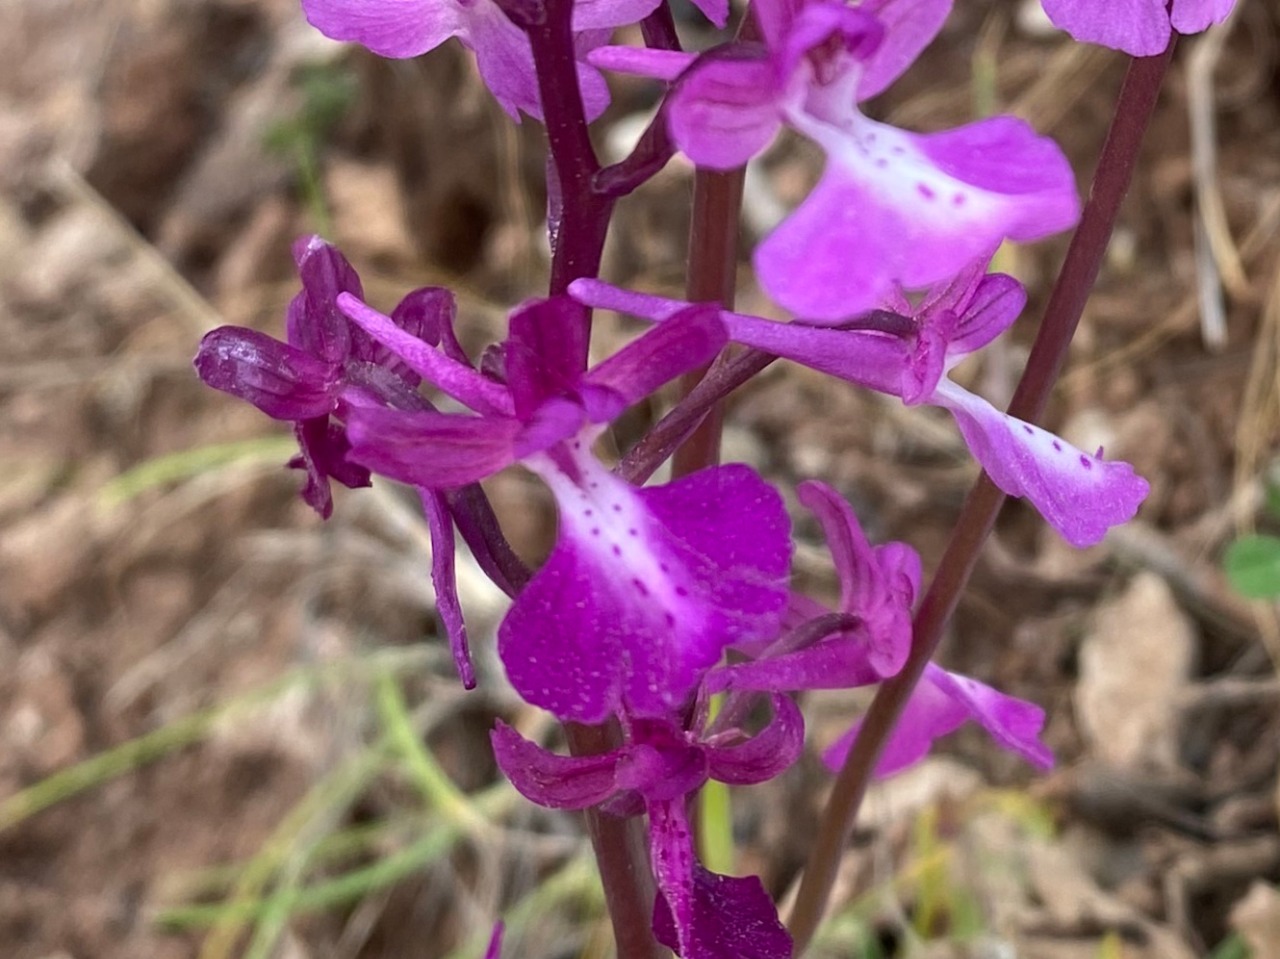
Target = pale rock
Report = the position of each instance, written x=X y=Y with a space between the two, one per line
x=1134 y=665
x=1256 y=917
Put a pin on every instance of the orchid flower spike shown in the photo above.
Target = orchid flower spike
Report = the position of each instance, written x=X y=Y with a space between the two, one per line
x=892 y=207
x=1141 y=28
x=906 y=351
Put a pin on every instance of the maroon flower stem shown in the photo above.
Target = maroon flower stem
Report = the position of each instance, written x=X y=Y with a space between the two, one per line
x=579 y=217
x=621 y=855
x=1134 y=108
x=582 y=219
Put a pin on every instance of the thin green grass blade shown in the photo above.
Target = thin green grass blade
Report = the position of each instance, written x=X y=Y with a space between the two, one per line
x=187 y=464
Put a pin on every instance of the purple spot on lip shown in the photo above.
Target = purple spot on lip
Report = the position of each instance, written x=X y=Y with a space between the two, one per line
x=640 y=587
x=1057 y=446
x=617 y=550
x=959 y=199
x=881 y=162
x=617 y=508
x=681 y=591
x=1086 y=462
x=588 y=512
x=926 y=191
x=595 y=531
x=671 y=620
x=1029 y=431
x=633 y=532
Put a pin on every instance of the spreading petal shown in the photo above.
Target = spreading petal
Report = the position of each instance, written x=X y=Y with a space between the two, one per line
x=689 y=339
x=283 y=381
x=907 y=363
x=842 y=661
x=910 y=26
x=312 y=321
x=652 y=63
x=445 y=373
x=1193 y=16
x=546 y=352
x=1138 y=27
x=764 y=755
x=1081 y=496
x=897 y=208
x=431 y=450
x=880 y=595
x=724 y=110
x=427 y=314
x=940 y=704
x=559 y=782
x=405 y=28
x=995 y=302
x=727 y=918
x=602 y=14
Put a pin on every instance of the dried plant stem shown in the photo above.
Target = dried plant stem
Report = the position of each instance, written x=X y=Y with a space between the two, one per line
x=1134 y=108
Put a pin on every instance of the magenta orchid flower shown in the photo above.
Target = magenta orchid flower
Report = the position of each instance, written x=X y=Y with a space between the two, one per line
x=329 y=367
x=699 y=914
x=906 y=351
x=878 y=588
x=326 y=367
x=1141 y=28
x=408 y=28
x=892 y=207
x=644 y=587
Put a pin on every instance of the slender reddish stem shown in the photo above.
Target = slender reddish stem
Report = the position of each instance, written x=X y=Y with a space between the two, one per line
x=578 y=237
x=713 y=258
x=1134 y=108
x=580 y=221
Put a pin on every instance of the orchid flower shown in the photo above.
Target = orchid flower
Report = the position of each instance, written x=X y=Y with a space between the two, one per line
x=906 y=351
x=644 y=587
x=326 y=367
x=408 y=28
x=892 y=207
x=878 y=588
x=1141 y=28
x=698 y=913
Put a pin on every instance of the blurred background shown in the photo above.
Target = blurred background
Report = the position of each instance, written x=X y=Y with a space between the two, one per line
x=230 y=730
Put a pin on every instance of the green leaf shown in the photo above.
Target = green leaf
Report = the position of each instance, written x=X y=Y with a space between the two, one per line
x=1233 y=947
x=1252 y=564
